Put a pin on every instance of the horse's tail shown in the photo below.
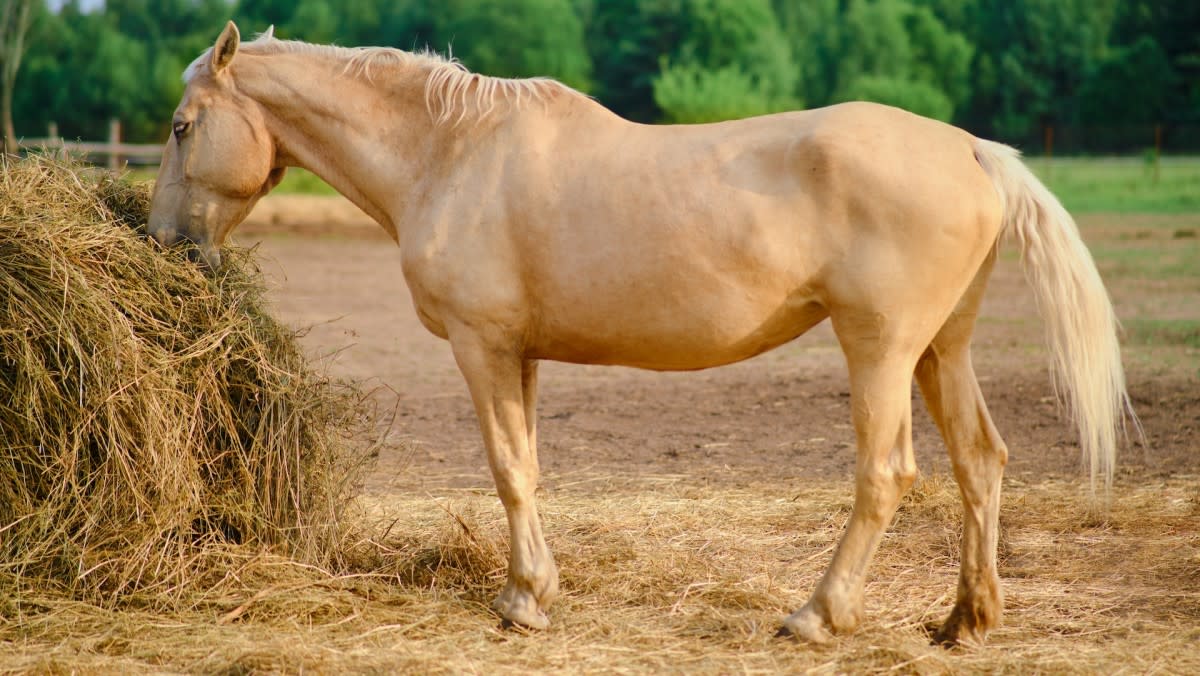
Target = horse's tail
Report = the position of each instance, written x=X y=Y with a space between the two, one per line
x=1081 y=329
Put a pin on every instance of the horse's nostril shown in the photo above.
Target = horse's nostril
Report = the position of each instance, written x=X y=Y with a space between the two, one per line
x=204 y=258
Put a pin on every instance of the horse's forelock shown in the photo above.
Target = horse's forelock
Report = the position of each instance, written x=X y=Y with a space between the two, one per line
x=194 y=66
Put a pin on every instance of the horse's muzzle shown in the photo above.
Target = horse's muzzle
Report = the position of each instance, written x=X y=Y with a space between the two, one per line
x=208 y=258
x=166 y=235
x=205 y=256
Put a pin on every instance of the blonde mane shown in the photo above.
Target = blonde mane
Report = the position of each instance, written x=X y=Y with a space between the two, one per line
x=452 y=93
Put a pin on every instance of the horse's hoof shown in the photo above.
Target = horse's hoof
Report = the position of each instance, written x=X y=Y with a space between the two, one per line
x=953 y=636
x=521 y=616
x=526 y=627
x=943 y=641
x=805 y=625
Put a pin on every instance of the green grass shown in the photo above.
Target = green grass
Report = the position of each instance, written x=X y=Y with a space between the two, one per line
x=1122 y=184
x=1141 y=331
x=303 y=182
x=1156 y=259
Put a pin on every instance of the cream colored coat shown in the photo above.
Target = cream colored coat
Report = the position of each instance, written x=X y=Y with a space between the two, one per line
x=534 y=224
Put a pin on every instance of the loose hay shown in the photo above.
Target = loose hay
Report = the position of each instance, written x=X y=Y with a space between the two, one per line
x=151 y=417
x=668 y=575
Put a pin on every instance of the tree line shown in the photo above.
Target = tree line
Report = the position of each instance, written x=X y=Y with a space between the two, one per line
x=1000 y=68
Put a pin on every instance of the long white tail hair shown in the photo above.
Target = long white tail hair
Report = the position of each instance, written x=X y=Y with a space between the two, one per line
x=1081 y=329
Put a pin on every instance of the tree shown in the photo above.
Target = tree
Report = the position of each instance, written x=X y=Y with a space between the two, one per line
x=627 y=40
x=15 y=19
x=520 y=38
x=814 y=30
x=1174 y=25
x=255 y=15
x=741 y=37
x=890 y=51
x=692 y=94
x=313 y=21
x=1033 y=56
x=1132 y=85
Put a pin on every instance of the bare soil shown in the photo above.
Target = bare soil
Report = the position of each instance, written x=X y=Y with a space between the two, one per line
x=783 y=416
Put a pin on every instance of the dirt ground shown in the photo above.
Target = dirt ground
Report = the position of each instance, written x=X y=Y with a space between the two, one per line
x=782 y=416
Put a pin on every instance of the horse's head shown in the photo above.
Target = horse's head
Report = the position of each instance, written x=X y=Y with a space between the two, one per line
x=219 y=161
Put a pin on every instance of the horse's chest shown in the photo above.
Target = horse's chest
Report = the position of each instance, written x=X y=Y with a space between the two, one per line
x=431 y=321
x=465 y=283
x=423 y=289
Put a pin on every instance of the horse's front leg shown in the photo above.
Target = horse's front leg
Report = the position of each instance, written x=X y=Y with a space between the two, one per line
x=502 y=386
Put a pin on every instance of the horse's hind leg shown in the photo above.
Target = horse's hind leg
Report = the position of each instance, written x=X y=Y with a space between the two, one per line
x=978 y=455
x=880 y=361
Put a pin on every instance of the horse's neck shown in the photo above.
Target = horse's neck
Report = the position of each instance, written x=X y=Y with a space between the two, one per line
x=316 y=112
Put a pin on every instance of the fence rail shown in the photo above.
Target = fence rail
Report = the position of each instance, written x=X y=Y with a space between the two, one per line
x=113 y=149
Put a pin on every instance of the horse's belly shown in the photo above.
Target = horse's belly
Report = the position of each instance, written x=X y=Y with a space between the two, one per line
x=672 y=338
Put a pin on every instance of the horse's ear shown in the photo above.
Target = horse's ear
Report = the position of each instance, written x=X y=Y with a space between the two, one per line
x=269 y=33
x=226 y=47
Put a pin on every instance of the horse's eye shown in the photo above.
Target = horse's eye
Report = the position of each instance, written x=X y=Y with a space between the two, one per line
x=181 y=128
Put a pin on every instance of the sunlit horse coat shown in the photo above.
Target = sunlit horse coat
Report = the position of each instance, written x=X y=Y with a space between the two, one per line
x=534 y=224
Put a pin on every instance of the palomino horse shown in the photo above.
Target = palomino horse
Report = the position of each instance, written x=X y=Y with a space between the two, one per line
x=535 y=224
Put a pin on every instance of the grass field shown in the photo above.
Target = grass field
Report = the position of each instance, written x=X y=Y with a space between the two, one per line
x=1122 y=184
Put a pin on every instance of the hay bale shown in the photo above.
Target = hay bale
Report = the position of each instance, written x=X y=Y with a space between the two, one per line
x=149 y=415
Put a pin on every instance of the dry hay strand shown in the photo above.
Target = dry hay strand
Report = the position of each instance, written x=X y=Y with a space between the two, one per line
x=667 y=575
x=153 y=419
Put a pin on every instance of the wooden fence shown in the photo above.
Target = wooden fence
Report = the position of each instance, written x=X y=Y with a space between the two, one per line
x=114 y=151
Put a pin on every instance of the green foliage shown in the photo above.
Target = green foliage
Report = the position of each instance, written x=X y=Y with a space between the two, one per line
x=941 y=56
x=300 y=182
x=1034 y=55
x=914 y=96
x=743 y=37
x=1132 y=84
x=627 y=39
x=1001 y=68
x=872 y=49
x=519 y=38
x=692 y=94
x=739 y=43
x=1175 y=26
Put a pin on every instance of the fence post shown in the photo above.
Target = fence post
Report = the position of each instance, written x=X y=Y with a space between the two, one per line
x=114 y=138
x=55 y=141
x=1157 y=149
